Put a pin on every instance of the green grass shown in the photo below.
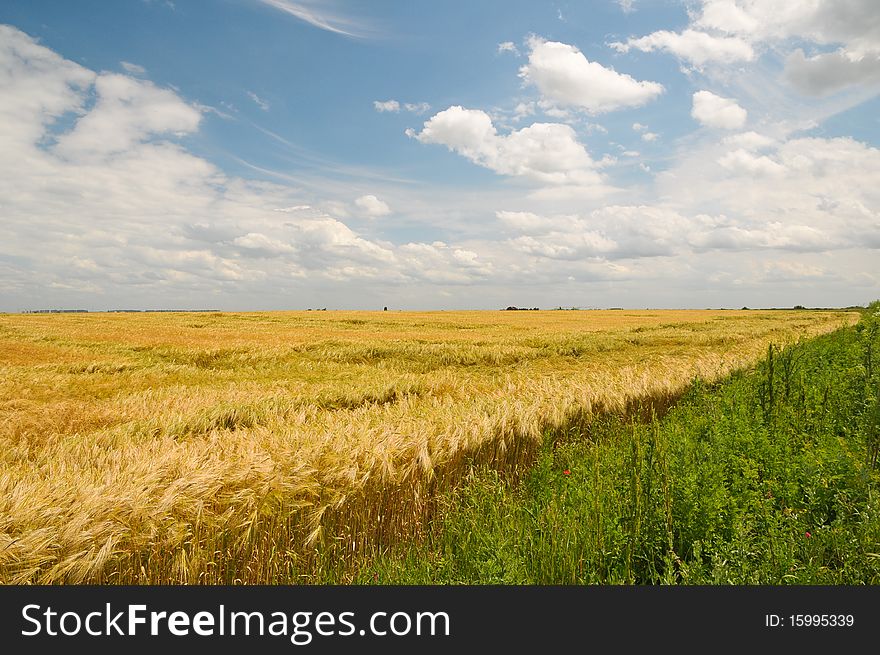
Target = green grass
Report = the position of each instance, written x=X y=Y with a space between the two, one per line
x=770 y=477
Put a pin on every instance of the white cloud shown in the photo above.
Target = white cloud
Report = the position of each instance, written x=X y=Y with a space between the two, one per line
x=262 y=104
x=741 y=161
x=439 y=263
x=734 y=31
x=728 y=17
x=528 y=222
x=807 y=198
x=852 y=25
x=372 y=206
x=394 y=106
x=132 y=69
x=720 y=234
x=50 y=87
x=551 y=110
x=698 y=48
x=788 y=271
x=638 y=127
x=612 y=232
x=127 y=111
x=851 y=22
x=318 y=14
x=650 y=136
x=714 y=111
x=748 y=141
x=805 y=194
x=546 y=152
x=626 y=6
x=522 y=110
x=260 y=243
x=386 y=105
x=565 y=77
x=564 y=246
x=292 y=209
x=508 y=46
x=417 y=107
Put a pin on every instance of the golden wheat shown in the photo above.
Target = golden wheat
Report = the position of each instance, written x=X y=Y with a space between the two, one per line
x=225 y=447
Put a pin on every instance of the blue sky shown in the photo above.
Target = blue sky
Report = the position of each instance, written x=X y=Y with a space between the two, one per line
x=274 y=154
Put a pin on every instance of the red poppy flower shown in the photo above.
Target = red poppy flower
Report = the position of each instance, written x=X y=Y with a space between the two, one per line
x=807 y=534
x=566 y=472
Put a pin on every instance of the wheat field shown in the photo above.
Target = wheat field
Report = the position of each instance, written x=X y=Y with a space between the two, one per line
x=269 y=447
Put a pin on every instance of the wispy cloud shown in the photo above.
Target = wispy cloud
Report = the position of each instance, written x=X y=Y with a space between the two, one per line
x=417 y=107
x=132 y=69
x=386 y=105
x=322 y=16
x=394 y=106
x=262 y=104
x=508 y=46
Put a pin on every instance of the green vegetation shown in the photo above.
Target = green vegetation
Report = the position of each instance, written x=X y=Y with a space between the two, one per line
x=770 y=477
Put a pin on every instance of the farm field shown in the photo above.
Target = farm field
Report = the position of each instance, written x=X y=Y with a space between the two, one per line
x=281 y=447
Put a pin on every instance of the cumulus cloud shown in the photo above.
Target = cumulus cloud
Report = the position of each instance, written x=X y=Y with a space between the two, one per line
x=522 y=110
x=742 y=161
x=611 y=233
x=805 y=197
x=852 y=22
x=733 y=31
x=729 y=32
x=372 y=206
x=260 y=243
x=433 y=263
x=714 y=111
x=619 y=232
x=695 y=47
x=565 y=77
x=548 y=153
x=722 y=233
x=804 y=194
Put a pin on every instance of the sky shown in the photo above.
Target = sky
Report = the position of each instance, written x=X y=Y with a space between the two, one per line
x=294 y=154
